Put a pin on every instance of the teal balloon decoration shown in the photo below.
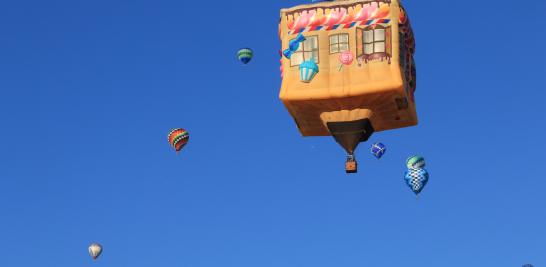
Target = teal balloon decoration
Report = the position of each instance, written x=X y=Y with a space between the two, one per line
x=308 y=70
x=293 y=46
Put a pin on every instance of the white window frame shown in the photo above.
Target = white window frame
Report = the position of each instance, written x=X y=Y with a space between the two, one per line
x=375 y=41
x=337 y=43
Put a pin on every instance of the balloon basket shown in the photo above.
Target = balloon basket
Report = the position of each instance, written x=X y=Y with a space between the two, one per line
x=351 y=166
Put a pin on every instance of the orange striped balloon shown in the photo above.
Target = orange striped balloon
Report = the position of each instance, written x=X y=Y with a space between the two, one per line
x=178 y=138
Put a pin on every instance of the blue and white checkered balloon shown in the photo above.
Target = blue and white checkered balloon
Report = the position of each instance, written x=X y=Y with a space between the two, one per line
x=416 y=179
x=378 y=149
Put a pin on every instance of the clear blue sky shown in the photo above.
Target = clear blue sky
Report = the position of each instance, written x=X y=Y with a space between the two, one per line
x=89 y=90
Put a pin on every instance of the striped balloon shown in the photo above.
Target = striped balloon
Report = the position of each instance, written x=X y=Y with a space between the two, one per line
x=178 y=138
x=245 y=55
x=415 y=162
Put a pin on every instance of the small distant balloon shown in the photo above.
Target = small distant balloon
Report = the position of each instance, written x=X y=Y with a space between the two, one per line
x=378 y=149
x=415 y=162
x=245 y=55
x=178 y=138
x=95 y=250
x=416 y=179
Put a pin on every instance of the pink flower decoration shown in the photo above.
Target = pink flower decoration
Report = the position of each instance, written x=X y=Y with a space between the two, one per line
x=346 y=57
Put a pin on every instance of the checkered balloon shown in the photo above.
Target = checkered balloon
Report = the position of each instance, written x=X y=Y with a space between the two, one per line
x=416 y=179
x=378 y=149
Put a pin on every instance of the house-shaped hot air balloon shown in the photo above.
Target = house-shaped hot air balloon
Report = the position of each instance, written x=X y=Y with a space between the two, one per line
x=373 y=93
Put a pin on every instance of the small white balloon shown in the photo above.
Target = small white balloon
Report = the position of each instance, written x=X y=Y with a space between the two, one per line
x=95 y=250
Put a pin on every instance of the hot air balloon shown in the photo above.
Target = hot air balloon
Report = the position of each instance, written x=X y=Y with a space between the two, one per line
x=178 y=138
x=415 y=162
x=416 y=179
x=378 y=149
x=245 y=55
x=95 y=250
x=372 y=96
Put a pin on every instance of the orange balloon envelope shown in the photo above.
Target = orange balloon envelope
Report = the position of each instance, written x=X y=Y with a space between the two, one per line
x=374 y=95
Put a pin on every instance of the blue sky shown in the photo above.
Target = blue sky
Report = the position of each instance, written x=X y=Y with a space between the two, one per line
x=89 y=90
